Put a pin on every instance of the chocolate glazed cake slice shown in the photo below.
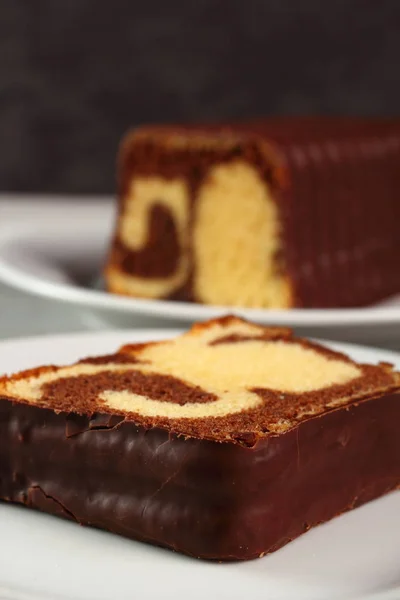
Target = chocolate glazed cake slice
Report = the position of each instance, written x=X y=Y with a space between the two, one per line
x=276 y=213
x=224 y=443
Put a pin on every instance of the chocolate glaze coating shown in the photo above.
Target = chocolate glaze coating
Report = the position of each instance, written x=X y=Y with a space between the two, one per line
x=211 y=500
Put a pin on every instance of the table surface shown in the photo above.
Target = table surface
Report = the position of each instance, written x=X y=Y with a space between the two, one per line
x=24 y=315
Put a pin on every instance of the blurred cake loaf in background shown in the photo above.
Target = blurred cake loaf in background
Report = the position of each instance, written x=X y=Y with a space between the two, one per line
x=274 y=214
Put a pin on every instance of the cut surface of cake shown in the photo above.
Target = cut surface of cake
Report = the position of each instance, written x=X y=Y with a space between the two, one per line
x=223 y=443
x=272 y=214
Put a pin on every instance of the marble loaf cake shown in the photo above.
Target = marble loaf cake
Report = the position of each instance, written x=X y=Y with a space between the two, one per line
x=274 y=214
x=224 y=443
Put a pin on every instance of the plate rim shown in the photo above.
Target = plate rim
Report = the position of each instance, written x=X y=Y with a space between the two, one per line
x=160 y=333
x=28 y=281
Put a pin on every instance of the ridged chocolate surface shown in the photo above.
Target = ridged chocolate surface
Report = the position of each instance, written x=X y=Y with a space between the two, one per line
x=207 y=499
x=336 y=183
x=340 y=213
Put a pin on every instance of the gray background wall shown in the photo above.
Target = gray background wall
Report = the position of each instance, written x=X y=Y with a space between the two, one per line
x=74 y=74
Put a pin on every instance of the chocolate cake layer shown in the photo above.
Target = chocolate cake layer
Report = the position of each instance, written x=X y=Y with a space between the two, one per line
x=210 y=500
x=317 y=198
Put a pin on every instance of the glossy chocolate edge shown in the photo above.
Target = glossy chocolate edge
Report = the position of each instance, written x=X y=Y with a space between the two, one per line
x=210 y=500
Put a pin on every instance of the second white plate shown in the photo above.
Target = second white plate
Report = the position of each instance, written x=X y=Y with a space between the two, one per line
x=59 y=253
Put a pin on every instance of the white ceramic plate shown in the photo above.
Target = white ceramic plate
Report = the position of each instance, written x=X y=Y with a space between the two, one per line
x=59 y=252
x=355 y=556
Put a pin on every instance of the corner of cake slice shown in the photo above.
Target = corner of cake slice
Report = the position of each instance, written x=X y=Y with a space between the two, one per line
x=209 y=443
